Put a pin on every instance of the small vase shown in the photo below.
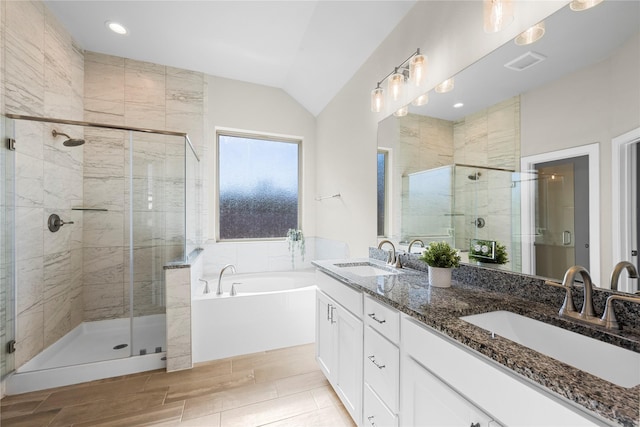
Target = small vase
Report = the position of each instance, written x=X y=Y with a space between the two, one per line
x=440 y=277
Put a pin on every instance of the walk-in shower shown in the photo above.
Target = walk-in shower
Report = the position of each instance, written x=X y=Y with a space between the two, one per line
x=97 y=222
x=459 y=203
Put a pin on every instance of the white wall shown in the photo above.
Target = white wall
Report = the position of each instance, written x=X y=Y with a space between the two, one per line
x=237 y=105
x=595 y=104
x=450 y=34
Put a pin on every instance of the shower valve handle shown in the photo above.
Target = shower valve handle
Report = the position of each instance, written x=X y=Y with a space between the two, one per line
x=55 y=223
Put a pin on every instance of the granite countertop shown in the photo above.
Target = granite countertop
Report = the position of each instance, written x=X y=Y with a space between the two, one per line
x=440 y=308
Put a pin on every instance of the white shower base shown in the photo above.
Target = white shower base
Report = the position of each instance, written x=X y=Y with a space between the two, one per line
x=87 y=353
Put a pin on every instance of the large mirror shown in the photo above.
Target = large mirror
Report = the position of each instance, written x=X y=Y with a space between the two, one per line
x=491 y=172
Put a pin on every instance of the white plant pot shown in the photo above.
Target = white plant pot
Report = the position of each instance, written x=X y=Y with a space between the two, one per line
x=440 y=277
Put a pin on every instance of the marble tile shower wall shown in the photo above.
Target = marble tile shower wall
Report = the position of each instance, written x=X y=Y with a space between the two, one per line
x=139 y=94
x=44 y=77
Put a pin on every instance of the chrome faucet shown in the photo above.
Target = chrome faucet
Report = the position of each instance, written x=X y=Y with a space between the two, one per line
x=233 y=269
x=617 y=270
x=415 y=241
x=392 y=259
x=568 y=308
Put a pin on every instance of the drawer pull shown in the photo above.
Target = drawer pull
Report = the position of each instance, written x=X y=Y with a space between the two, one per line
x=475 y=424
x=373 y=316
x=370 y=418
x=333 y=308
x=373 y=360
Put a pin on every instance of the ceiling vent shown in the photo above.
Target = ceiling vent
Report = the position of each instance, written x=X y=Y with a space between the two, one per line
x=525 y=61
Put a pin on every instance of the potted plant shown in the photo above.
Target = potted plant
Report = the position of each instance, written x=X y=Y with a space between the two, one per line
x=441 y=259
x=295 y=239
x=488 y=252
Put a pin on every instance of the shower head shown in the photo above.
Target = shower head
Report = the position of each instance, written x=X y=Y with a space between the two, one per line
x=70 y=142
x=474 y=176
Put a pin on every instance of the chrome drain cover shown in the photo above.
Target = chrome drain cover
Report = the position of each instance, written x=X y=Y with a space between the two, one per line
x=119 y=346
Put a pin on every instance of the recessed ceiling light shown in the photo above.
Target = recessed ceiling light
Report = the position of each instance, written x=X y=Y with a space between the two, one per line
x=458 y=105
x=116 y=27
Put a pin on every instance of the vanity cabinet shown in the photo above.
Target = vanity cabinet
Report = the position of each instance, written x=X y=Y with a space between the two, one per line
x=339 y=344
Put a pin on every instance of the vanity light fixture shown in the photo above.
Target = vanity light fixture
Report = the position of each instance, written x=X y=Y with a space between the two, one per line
x=445 y=86
x=580 y=5
x=414 y=69
x=116 y=27
x=531 y=35
x=498 y=14
x=421 y=100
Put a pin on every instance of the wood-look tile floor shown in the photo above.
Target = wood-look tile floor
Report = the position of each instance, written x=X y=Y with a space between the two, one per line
x=275 y=388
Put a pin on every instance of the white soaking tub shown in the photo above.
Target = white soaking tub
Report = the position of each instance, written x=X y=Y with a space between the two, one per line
x=271 y=310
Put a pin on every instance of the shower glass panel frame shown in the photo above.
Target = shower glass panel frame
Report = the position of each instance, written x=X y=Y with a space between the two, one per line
x=133 y=216
x=7 y=250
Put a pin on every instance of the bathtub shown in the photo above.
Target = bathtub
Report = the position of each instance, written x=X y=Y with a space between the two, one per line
x=271 y=310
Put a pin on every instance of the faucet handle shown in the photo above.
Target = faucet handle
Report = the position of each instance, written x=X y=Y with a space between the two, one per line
x=233 y=288
x=206 y=286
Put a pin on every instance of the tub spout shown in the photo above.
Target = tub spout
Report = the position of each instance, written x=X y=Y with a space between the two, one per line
x=233 y=270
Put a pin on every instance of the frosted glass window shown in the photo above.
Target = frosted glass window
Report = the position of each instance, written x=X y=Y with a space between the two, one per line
x=382 y=192
x=258 y=187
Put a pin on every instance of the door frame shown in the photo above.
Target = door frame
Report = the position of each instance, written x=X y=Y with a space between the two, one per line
x=527 y=165
x=623 y=195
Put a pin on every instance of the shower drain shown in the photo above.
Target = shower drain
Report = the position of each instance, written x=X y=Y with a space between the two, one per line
x=119 y=346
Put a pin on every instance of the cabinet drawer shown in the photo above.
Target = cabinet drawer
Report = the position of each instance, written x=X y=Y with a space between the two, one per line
x=382 y=318
x=348 y=297
x=381 y=367
x=376 y=414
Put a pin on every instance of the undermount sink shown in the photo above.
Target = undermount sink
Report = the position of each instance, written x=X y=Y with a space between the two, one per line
x=611 y=363
x=365 y=269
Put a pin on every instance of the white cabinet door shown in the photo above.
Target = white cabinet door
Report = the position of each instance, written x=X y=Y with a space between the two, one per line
x=427 y=401
x=339 y=352
x=324 y=335
x=348 y=369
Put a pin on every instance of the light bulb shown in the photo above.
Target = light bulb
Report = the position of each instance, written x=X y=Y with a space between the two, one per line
x=445 y=86
x=402 y=111
x=580 y=5
x=418 y=69
x=377 y=99
x=498 y=14
x=396 y=86
x=531 y=35
x=421 y=100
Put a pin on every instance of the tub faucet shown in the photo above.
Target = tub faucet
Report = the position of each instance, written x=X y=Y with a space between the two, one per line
x=233 y=269
x=392 y=259
x=414 y=241
x=617 y=270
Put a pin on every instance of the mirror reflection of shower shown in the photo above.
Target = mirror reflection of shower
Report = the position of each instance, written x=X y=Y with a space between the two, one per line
x=70 y=142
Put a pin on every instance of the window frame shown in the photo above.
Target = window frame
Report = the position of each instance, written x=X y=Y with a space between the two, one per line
x=285 y=139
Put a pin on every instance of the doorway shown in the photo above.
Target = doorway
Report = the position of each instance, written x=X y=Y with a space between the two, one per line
x=583 y=237
x=626 y=203
x=561 y=216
